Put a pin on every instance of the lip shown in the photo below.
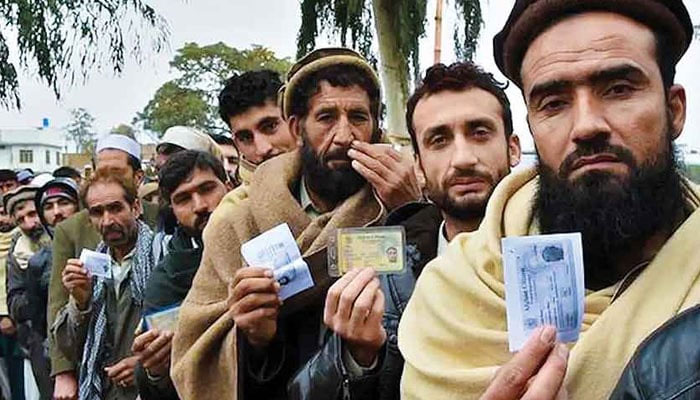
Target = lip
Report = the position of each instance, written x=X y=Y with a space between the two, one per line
x=596 y=160
x=469 y=184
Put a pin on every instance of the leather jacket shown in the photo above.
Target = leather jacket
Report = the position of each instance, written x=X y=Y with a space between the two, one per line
x=667 y=364
x=325 y=376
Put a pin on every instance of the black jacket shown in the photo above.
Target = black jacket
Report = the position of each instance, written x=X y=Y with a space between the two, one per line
x=324 y=376
x=667 y=364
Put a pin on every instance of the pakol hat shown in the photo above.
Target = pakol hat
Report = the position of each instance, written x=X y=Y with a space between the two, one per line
x=529 y=18
x=317 y=60
x=14 y=197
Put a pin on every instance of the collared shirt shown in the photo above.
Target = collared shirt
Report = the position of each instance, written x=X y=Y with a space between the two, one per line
x=120 y=271
x=442 y=241
x=305 y=200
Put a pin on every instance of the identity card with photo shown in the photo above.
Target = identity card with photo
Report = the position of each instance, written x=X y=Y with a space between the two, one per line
x=164 y=319
x=381 y=248
x=544 y=286
x=277 y=249
x=98 y=264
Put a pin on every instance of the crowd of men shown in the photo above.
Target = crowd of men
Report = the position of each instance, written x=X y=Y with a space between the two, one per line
x=307 y=150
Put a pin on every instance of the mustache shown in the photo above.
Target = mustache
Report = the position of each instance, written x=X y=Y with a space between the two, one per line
x=592 y=148
x=201 y=219
x=114 y=228
x=340 y=154
x=453 y=177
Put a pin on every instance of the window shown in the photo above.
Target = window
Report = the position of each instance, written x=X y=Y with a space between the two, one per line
x=48 y=157
x=26 y=156
x=58 y=158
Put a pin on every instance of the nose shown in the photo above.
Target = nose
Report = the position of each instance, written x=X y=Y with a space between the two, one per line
x=263 y=148
x=198 y=203
x=463 y=156
x=342 y=132
x=588 y=119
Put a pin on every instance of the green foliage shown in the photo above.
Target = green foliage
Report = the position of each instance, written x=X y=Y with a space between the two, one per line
x=465 y=39
x=125 y=130
x=66 y=39
x=692 y=172
x=80 y=130
x=191 y=99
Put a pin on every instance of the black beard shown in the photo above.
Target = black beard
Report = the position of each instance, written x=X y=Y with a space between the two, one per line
x=6 y=227
x=614 y=215
x=35 y=234
x=332 y=185
x=466 y=211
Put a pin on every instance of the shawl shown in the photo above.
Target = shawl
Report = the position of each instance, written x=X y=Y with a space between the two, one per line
x=205 y=353
x=453 y=333
x=91 y=375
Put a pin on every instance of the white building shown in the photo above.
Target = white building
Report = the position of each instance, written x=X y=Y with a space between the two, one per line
x=40 y=149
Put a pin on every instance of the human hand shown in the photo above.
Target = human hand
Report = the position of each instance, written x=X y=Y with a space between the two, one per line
x=536 y=372
x=66 y=386
x=7 y=326
x=354 y=310
x=76 y=280
x=153 y=350
x=388 y=171
x=123 y=372
x=256 y=304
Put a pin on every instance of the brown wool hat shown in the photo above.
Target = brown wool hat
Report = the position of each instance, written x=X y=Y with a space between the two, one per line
x=316 y=61
x=529 y=18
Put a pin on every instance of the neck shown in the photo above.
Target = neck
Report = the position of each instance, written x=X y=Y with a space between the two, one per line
x=121 y=251
x=319 y=203
x=454 y=226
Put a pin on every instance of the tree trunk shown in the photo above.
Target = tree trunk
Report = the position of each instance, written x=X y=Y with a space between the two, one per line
x=393 y=67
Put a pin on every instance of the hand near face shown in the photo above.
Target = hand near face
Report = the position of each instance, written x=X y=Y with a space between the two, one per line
x=256 y=304
x=77 y=282
x=153 y=350
x=122 y=373
x=390 y=173
x=354 y=310
x=537 y=371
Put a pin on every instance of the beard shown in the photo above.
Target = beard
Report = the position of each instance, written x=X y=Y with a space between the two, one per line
x=115 y=235
x=614 y=214
x=332 y=184
x=463 y=209
x=200 y=222
x=35 y=233
x=6 y=226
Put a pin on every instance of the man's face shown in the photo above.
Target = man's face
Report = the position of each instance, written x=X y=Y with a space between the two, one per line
x=595 y=96
x=6 y=222
x=463 y=149
x=196 y=198
x=7 y=186
x=230 y=155
x=116 y=161
x=112 y=215
x=27 y=219
x=57 y=209
x=260 y=133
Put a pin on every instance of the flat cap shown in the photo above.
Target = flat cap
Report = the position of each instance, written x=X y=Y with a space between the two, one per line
x=529 y=18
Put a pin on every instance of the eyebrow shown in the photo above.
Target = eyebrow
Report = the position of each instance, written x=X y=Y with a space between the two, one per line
x=624 y=71
x=268 y=119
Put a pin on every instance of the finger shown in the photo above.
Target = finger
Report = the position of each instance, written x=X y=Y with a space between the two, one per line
x=124 y=375
x=161 y=340
x=251 y=272
x=256 y=300
x=382 y=166
x=352 y=291
x=334 y=292
x=377 y=150
x=160 y=357
x=143 y=340
x=115 y=370
x=255 y=285
x=512 y=378
x=253 y=318
x=548 y=381
x=377 y=311
x=364 y=302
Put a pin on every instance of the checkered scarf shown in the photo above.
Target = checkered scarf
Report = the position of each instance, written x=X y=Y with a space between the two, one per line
x=91 y=373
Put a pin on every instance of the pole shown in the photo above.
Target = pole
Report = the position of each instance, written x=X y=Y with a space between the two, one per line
x=438 y=31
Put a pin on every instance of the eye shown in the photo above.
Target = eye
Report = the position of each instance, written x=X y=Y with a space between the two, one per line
x=359 y=117
x=619 y=89
x=244 y=137
x=481 y=132
x=269 y=127
x=552 y=105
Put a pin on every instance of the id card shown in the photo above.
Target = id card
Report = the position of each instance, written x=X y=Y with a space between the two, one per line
x=163 y=320
x=98 y=264
x=380 y=248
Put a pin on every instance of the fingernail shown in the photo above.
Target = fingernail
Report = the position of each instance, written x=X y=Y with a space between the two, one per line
x=563 y=351
x=351 y=152
x=277 y=286
x=548 y=335
x=268 y=273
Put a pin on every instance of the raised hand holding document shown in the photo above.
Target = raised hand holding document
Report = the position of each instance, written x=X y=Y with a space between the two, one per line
x=544 y=285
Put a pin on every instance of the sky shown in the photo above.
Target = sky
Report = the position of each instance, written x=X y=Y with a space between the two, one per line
x=272 y=23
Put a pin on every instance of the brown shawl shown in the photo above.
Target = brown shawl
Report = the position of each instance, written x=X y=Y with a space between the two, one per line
x=204 y=364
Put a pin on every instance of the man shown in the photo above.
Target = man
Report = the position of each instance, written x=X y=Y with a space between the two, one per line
x=68 y=172
x=248 y=105
x=597 y=78
x=229 y=153
x=97 y=325
x=28 y=271
x=8 y=180
x=117 y=153
x=331 y=102
x=461 y=130
x=25 y=176
x=179 y=138
x=193 y=183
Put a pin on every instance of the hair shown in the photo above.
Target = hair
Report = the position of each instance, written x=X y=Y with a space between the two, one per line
x=7 y=175
x=106 y=177
x=665 y=59
x=456 y=77
x=66 y=172
x=223 y=140
x=250 y=89
x=339 y=75
x=181 y=165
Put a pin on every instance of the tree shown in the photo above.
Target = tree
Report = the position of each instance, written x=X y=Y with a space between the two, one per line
x=66 y=39
x=192 y=98
x=125 y=130
x=80 y=130
x=398 y=25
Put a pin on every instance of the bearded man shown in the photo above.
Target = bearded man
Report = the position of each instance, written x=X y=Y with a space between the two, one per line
x=598 y=81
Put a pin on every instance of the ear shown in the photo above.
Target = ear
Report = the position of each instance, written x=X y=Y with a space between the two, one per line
x=514 y=150
x=137 y=209
x=293 y=122
x=677 y=109
x=418 y=170
x=138 y=178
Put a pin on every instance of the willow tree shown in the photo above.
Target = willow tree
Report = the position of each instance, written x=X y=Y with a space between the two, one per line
x=395 y=27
